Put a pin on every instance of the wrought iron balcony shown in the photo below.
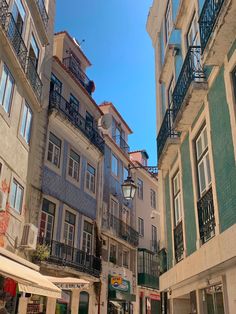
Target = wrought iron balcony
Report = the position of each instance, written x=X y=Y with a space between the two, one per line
x=121 y=143
x=14 y=36
x=65 y=255
x=148 y=272
x=192 y=71
x=163 y=261
x=179 y=242
x=166 y=131
x=74 y=67
x=120 y=229
x=43 y=12
x=207 y=20
x=33 y=77
x=58 y=102
x=3 y=7
x=206 y=216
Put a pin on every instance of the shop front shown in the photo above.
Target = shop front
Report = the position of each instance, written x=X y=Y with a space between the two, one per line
x=120 y=299
x=22 y=288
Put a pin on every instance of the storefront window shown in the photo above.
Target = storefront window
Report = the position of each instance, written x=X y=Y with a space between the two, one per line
x=213 y=302
x=8 y=295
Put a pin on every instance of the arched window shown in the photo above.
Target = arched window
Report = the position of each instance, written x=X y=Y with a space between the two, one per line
x=84 y=303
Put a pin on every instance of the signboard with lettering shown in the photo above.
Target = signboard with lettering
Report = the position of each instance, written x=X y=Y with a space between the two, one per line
x=156 y=297
x=118 y=283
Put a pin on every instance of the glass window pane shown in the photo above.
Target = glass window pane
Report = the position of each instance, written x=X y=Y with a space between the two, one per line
x=8 y=93
x=2 y=85
x=13 y=194
x=208 y=169
x=23 y=122
x=201 y=176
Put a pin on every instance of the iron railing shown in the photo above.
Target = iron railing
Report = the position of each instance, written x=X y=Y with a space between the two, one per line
x=74 y=67
x=65 y=255
x=58 y=102
x=33 y=77
x=3 y=7
x=206 y=216
x=191 y=71
x=43 y=12
x=120 y=229
x=178 y=242
x=163 y=260
x=14 y=36
x=121 y=143
x=166 y=131
x=148 y=269
x=207 y=20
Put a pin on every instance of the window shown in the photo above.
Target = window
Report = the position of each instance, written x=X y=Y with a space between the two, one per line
x=114 y=211
x=55 y=84
x=177 y=198
x=26 y=123
x=74 y=102
x=69 y=228
x=16 y=199
x=154 y=233
x=47 y=220
x=192 y=35
x=18 y=13
x=89 y=120
x=112 y=253
x=125 y=261
x=234 y=83
x=170 y=93
x=140 y=189
x=125 y=174
x=153 y=198
x=114 y=165
x=74 y=165
x=90 y=178
x=87 y=237
x=203 y=163
x=54 y=150
x=141 y=227
x=6 y=89
x=34 y=52
x=168 y=21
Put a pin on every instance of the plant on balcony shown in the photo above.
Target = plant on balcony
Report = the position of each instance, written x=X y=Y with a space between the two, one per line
x=41 y=253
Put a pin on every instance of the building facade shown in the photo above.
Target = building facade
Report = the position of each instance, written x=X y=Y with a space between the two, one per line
x=71 y=187
x=26 y=34
x=148 y=227
x=195 y=55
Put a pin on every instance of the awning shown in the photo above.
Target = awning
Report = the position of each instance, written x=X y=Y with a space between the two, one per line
x=29 y=280
x=68 y=283
x=116 y=304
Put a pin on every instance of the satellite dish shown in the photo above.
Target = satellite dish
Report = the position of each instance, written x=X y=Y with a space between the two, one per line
x=106 y=121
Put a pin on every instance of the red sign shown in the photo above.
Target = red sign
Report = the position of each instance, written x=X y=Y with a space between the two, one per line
x=155 y=297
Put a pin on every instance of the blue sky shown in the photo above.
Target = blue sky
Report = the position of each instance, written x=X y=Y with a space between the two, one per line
x=122 y=57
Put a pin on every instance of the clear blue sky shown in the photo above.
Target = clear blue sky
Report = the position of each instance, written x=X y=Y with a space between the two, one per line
x=122 y=57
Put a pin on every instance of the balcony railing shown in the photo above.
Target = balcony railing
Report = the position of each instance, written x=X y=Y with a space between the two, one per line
x=206 y=216
x=178 y=242
x=58 y=102
x=3 y=7
x=148 y=280
x=65 y=255
x=148 y=269
x=121 y=143
x=207 y=20
x=43 y=12
x=33 y=77
x=163 y=261
x=192 y=71
x=74 y=67
x=166 y=131
x=14 y=36
x=121 y=229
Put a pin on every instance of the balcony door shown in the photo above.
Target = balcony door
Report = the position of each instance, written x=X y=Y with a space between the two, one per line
x=34 y=53
x=47 y=221
x=69 y=235
x=193 y=33
x=18 y=13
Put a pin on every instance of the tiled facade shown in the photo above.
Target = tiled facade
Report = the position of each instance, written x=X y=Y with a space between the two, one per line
x=196 y=130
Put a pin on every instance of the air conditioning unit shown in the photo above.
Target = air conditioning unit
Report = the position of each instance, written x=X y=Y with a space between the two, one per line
x=3 y=201
x=29 y=237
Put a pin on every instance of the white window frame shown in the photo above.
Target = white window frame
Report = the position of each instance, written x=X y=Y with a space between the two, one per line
x=168 y=20
x=153 y=198
x=140 y=188
x=8 y=79
x=46 y=221
x=26 y=123
x=55 y=148
x=73 y=164
x=177 y=199
x=125 y=255
x=90 y=179
x=114 y=245
x=13 y=202
x=203 y=162
x=67 y=225
x=141 y=226
x=87 y=236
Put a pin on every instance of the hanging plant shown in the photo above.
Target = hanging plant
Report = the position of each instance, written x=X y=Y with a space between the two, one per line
x=41 y=253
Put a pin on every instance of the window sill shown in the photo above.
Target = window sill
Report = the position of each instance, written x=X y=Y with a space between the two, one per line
x=52 y=167
x=73 y=181
x=23 y=142
x=93 y=195
x=16 y=214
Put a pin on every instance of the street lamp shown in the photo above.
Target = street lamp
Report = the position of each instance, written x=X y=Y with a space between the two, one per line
x=129 y=187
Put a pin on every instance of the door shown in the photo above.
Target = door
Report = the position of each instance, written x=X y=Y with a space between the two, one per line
x=84 y=303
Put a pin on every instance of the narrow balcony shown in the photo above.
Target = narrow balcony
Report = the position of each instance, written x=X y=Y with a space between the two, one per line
x=58 y=102
x=120 y=229
x=167 y=141
x=206 y=216
x=121 y=143
x=190 y=90
x=179 y=242
x=65 y=255
x=163 y=260
x=148 y=273
x=217 y=25
x=43 y=12
x=74 y=67
x=33 y=77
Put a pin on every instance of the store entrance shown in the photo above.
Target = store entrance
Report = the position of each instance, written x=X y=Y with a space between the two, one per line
x=115 y=307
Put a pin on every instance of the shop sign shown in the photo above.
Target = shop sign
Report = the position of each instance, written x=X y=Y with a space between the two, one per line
x=69 y=286
x=155 y=297
x=118 y=283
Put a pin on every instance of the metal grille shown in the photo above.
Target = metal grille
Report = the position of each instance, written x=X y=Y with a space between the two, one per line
x=43 y=12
